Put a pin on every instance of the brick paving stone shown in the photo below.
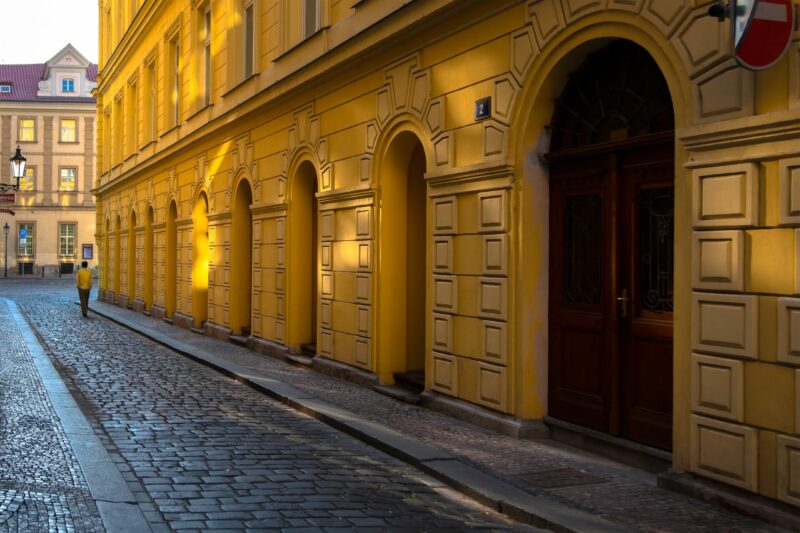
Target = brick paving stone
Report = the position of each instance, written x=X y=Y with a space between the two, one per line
x=626 y=496
x=42 y=487
x=173 y=421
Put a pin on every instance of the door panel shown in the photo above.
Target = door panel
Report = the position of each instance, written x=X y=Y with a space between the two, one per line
x=578 y=327
x=647 y=207
x=611 y=237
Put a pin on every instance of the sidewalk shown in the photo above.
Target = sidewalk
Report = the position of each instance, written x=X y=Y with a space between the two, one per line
x=54 y=473
x=536 y=481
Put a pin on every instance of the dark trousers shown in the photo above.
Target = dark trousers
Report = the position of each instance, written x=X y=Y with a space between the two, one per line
x=84 y=295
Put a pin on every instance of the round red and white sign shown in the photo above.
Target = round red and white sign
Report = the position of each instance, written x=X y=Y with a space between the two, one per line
x=762 y=31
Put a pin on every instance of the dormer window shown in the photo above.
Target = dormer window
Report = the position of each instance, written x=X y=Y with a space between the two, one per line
x=68 y=85
x=5 y=87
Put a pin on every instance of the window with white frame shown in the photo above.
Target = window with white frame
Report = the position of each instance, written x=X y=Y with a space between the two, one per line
x=67 y=179
x=26 y=130
x=66 y=239
x=68 y=85
x=28 y=181
x=68 y=130
x=25 y=232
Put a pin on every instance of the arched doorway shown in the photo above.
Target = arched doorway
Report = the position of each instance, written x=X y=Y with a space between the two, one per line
x=303 y=266
x=403 y=237
x=200 y=261
x=611 y=247
x=171 y=277
x=117 y=259
x=241 y=260
x=132 y=258
x=148 y=260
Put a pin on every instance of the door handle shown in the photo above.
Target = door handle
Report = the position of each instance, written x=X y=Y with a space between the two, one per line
x=623 y=300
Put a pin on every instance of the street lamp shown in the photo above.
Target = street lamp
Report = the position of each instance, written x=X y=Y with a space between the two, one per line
x=17 y=171
x=5 y=263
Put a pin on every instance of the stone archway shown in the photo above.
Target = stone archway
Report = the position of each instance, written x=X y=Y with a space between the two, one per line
x=171 y=274
x=611 y=247
x=241 y=260
x=200 y=256
x=303 y=271
x=403 y=242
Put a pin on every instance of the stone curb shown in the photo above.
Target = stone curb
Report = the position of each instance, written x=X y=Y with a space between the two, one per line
x=115 y=501
x=539 y=511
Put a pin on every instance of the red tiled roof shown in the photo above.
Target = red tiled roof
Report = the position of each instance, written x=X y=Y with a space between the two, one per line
x=24 y=80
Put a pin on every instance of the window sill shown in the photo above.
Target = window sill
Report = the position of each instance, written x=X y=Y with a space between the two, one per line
x=243 y=82
x=68 y=142
x=168 y=131
x=200 y=110
x=314 y=36
x=148 y=143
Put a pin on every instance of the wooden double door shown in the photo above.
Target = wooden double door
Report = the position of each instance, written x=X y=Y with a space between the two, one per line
x=611 y=288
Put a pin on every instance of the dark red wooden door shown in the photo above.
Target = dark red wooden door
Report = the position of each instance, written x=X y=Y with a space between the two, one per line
x=611 y=246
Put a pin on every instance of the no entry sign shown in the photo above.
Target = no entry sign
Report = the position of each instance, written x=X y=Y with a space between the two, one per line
x=762 y=31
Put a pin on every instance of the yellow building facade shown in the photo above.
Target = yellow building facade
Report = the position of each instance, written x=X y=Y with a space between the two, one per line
x=574 y=209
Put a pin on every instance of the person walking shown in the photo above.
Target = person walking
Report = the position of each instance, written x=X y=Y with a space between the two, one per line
x=83 y=280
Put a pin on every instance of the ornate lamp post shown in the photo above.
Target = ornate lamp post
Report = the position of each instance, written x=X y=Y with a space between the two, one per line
x=5 y=263
x=17 y=171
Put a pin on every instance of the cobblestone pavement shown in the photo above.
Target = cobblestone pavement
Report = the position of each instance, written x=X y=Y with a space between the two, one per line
x=201 y=451
x=41 y=484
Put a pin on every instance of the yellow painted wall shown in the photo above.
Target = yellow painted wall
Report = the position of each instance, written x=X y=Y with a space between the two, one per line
x=347 y=107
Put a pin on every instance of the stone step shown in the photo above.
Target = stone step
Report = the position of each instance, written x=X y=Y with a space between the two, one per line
x=299 y=359
x=398 y=393
x=241 y=340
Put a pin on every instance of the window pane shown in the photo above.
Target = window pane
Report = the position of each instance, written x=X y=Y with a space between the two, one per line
x=248 y=41
x=26 y=181
x=67 y=182
x=67 y=85
x=25 y=246
x=67 y=239
x=27 y=128
x=68 y=128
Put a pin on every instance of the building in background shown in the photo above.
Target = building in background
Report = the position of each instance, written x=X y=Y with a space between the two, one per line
x=576 y=213
x=47 y=109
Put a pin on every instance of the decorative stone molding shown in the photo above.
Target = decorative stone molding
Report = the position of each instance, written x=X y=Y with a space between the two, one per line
x=725 y=196
x=718 y=387
x=718 y=260
x=788 y=479
x=789 y=191
x=523 y=52
x=789 y=330
x=701 y=41
x=725 y=324
x=726 y=91
x=666 y=15
x=724 y=451
x=575 y=9
x=547 y=19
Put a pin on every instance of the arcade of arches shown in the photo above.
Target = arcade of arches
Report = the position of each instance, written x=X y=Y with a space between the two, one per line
x=613 y=247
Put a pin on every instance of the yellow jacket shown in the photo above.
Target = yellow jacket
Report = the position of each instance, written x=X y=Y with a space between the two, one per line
x=83 y=278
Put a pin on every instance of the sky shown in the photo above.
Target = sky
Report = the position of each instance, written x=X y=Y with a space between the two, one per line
x=33 y=31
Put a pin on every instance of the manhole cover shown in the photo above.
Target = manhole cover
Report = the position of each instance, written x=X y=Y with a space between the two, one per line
x=560 y=477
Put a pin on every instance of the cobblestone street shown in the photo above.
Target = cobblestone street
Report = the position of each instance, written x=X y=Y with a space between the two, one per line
x=201 y=451
x=41 y=484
